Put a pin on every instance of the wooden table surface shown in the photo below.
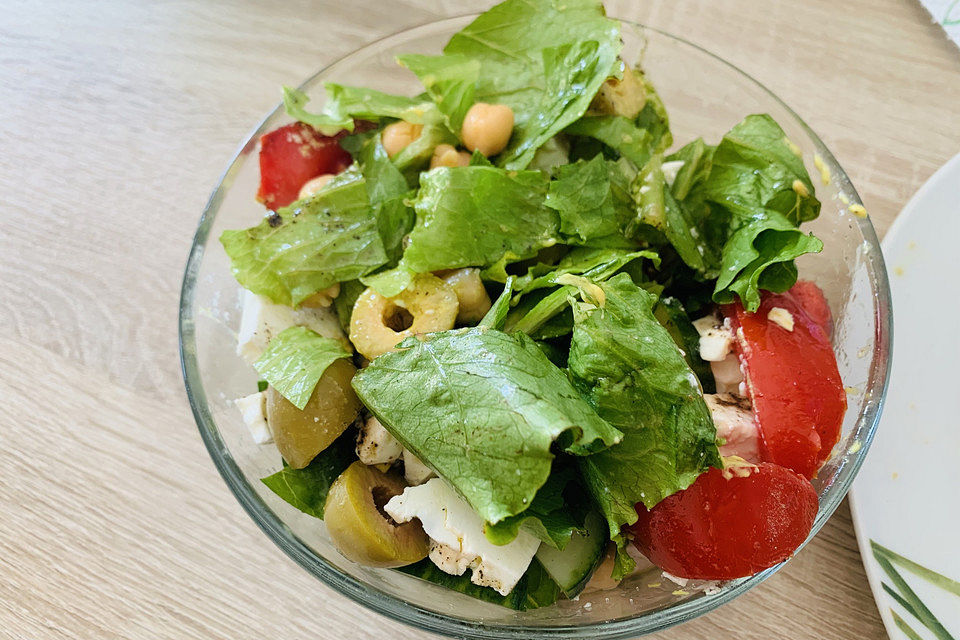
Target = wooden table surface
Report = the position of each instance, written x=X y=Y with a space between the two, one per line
x=116 y=120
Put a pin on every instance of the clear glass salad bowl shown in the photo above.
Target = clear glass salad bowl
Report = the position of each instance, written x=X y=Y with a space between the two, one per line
x=705 y=96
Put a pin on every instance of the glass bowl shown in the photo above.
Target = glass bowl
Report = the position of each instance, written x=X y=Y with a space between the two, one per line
x=705 y=96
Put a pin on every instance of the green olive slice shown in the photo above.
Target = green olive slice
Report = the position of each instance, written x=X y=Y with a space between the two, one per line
x=360 y=528
x=301 y=435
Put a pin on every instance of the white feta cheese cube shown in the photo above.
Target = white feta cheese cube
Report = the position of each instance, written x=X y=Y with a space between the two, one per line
x=782 y=317
x=736 y=424
x=262 y=319
x=375 y=445
x=458 y=531
x=670 y=170
x=728 y=374
x=414 y=471
x=253 y=409
x=716 y=337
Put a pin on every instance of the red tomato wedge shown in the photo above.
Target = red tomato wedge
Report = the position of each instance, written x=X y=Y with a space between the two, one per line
x=291 y=155
x=728 y=524
x=792 y=377
x=811 y=298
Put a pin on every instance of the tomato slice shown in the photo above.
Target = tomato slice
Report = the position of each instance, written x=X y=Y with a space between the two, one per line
x=811 y=298
x=728 y=524
x=291 y=155
x=791 y=377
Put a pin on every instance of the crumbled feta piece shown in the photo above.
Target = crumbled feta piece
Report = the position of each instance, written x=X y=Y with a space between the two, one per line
x=253 y=409
x=670 y=170
x=716 y=337
x=735 y=423
x=375 y=445
x=728 y=375
x=262 y=319
x=458 y=531
x=414 y=471
x=782 y=317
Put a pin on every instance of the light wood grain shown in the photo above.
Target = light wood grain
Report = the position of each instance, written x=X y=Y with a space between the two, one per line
x=115 y=122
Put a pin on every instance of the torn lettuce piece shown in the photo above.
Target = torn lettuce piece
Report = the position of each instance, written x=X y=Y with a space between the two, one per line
x=450 y=81
x=344 y=103
x=535 y=589
x=594 y=202
x=388 y=193
x=479 y=406
x=475 y=216
x=632 y=372
x=766 y=192
x=532 y=314
x=619 y=133
x=549 y=517
x=497 y=314
x=658 y=208
x=295 y=360
x=299 y=250
x=307 y=488
x=754 y=169
x=543 y=59
x=760 y=255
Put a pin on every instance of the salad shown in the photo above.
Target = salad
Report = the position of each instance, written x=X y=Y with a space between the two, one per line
x=512 y=339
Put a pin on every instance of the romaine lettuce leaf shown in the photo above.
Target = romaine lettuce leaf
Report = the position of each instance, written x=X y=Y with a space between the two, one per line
x=594 y=264
x=549 y=517
x=535 y=589
x=658 y=209
x=482 y=409
x=762 y=184
x=474 y=216
x=594 y=202
x=632 y=372
x=294 y=361
x=544 y=59
x=310 y=245
x=619 y=133
x=307 y=488
x=497 y=314
x=346 y=103
x=388 y=193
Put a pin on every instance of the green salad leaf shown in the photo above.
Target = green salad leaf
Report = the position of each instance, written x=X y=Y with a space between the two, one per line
x=766 y=191
x=548 y=517
x=388 y=194
x=670 y=313
x=307 y=488
x=594 y=202
x=473 y=216
x=531 y=314
x=295 y=360
x=681 y=228
x=535 y=589
x=631 y=371
x=346 y=103
x=479 y=406
x=450 y=80
x=343 y=303
x=543 y=59
x=310 y=245
x=618 y=133
x=497 y=315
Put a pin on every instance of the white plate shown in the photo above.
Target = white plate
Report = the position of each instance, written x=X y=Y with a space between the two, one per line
x=907 y=495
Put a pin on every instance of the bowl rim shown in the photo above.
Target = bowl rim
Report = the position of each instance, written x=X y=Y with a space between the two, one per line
x=401 y=610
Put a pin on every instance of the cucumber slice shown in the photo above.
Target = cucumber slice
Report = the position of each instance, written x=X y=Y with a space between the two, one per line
x=572 y=567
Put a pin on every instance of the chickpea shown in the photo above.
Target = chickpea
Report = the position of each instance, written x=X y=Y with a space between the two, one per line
x=444 y=155
x=487 y=128
x=313 y=185
x=471 y=294
x=396 y=136
x=322 y=298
